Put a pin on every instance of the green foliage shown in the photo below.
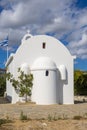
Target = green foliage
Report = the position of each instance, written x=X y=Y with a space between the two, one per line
x=23 y=83
x=2 y=84
x=77 y=117
x=54 y=117
x=50 y=117
x=23 y=116
x=4 y=121
x=77 y=74
x=80 y=83
x=85 y=116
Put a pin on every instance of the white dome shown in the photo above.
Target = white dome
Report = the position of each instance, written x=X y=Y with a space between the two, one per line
x=43 y=63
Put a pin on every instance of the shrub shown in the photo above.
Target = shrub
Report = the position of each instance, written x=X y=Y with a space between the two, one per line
x=49 y=117
x=4 y=121
x=23 y=116
x=78 y=117
x=80 y=83
x=2 y=84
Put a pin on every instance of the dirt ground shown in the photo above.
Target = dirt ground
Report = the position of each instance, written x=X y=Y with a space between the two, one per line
x=46 y=125
x=43 y=117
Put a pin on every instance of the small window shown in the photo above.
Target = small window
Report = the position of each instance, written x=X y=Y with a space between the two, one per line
x=46 y=73
x=27 y=37
x=44 y=45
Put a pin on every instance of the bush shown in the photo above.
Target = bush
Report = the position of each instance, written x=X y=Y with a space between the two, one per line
x=78 y=117
x=4 y=121
x=23 y=117
x=2 y=84
x=80 y=83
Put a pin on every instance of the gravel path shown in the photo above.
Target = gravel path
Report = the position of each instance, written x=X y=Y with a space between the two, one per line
x=40 y=111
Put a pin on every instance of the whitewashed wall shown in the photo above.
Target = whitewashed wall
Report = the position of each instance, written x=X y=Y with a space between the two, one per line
x=32 y=49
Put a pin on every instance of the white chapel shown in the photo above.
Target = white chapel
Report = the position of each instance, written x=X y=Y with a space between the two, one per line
x=51 y=64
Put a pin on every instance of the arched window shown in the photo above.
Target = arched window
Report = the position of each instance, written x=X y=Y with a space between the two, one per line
x=46 y=73
x=27 y=37
x=44 y=45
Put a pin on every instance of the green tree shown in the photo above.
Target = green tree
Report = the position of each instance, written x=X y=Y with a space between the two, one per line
x=77 y=74
x=2 y=84
x=80 y=83
x=23 y=83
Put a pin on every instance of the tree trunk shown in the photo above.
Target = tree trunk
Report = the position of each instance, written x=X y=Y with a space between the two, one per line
x=25 y=97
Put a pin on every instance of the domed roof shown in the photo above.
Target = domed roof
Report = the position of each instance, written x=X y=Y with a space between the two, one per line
x=43 y=63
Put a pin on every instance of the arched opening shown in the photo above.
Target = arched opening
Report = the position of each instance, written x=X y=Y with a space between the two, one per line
x=46 y=73
x=44 y=45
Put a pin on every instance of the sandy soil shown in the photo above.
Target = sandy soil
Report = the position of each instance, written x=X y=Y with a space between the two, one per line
x=39 y=115
x=46 y=125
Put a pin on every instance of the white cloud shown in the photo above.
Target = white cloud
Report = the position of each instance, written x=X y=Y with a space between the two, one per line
x=79 y=48
x=40 y=12
x=45 y=16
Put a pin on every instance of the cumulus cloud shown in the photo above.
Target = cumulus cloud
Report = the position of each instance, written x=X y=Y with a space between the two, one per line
x=79 y=48
x=31 y=12
x=45 y=16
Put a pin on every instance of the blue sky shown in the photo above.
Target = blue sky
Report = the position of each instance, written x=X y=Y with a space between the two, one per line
x=66 y=20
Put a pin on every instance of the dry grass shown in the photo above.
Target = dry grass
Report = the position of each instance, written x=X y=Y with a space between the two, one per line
x=38 y=117
x=46 y=125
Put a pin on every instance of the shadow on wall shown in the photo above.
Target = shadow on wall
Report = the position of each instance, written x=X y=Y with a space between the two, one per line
x=9 y=98
x=60 y=85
